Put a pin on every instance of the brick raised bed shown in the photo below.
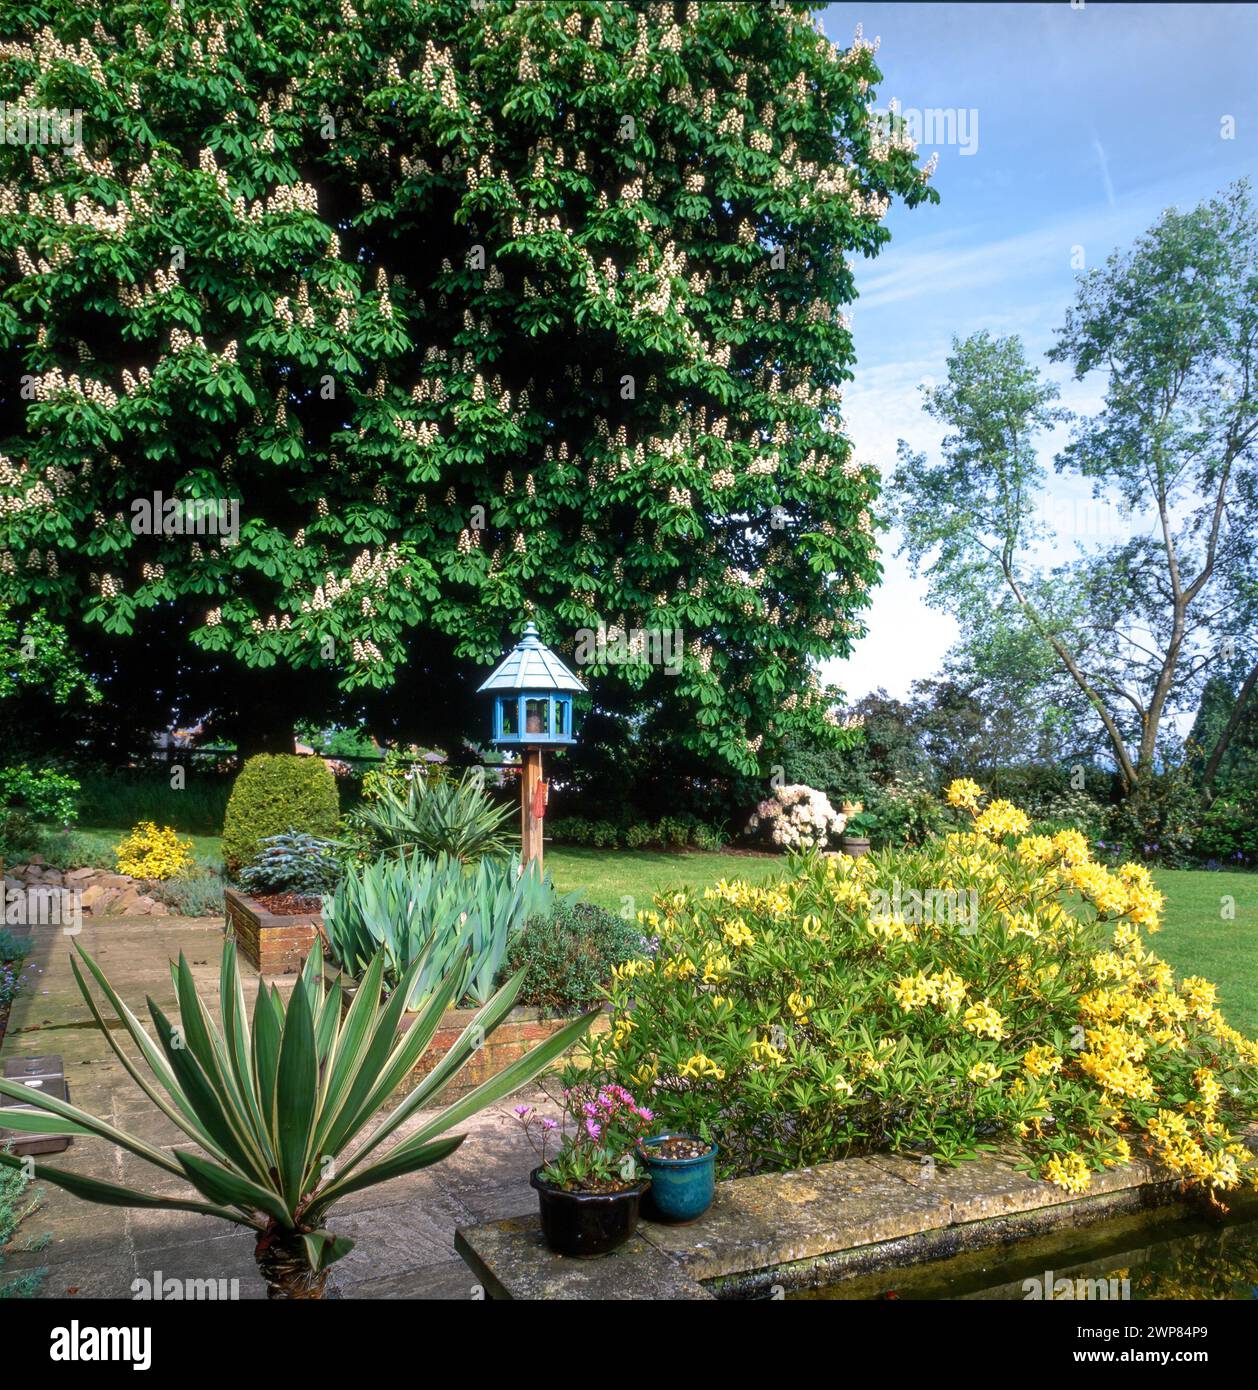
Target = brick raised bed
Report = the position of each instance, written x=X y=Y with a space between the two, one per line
x=518 y=1033
x=273 y=945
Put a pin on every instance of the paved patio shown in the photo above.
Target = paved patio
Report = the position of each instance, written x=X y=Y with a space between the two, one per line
x=404 y=1229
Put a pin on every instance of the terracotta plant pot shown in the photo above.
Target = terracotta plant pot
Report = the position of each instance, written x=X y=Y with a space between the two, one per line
x=586 y=1223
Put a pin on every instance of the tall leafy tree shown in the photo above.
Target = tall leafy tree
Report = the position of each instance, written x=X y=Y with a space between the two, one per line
x=475 y=312
x=1137 y=625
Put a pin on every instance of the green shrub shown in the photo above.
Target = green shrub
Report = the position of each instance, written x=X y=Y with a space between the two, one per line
x=1158 y=822
x=196 y=893
x=43 y=792
x=908 y=812
x=19 y=835
x=853 y=1006
x=569 y=956
x=708 y=837
x=1228 y=831
x=433 y=814
x=17 y=1201
x=641 y=836
x=275 y=793
x=68 y=849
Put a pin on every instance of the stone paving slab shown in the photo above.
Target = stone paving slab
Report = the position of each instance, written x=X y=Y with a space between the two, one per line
x=778 y=1218
x=987 y=1187
x=511 y=1260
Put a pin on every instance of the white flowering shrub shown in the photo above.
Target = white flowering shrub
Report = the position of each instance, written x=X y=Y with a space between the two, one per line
x=797 y=817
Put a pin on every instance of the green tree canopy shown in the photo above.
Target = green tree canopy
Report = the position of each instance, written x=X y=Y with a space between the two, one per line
x=474 y=312
x=1139 y=623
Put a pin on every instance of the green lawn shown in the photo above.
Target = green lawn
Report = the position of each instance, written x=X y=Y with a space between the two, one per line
x=207 y=849
x=1196 y=940
x=607 y=876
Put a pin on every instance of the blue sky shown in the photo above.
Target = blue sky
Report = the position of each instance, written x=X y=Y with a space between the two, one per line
x=1089 y=122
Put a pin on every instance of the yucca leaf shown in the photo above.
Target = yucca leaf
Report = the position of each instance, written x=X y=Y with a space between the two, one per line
x=511 y=1078
x=101 y=1128
x=268 y=1033
x=211 y=1052
x=181 y=1114
x=351 y=1047
x=202 y=1096
x=39 y=1122
x=484 y=1021
x=324 y=1249
x=296 y=1091
x=394 y=1164
x=149 y=1049
x=111 y=1195
x=232 y=1189
x=419 y=1145
x=239 y=1045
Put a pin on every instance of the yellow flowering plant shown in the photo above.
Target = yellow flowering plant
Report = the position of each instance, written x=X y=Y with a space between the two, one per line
x=992 y=987
x=153 y=853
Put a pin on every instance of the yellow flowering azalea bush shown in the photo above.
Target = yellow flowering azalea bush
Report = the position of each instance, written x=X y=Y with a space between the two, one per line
x=153 y=853
x=994 y=986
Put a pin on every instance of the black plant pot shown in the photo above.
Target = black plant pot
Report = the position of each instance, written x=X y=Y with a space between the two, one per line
x=587 y=1223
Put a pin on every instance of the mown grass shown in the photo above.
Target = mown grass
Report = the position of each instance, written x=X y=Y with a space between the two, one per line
x=1211 y=929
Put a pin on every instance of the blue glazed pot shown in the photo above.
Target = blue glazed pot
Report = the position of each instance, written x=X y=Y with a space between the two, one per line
x=681 y=1188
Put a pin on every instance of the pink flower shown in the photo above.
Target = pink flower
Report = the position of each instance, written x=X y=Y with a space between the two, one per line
x=523 y=1110
x=592 y=1129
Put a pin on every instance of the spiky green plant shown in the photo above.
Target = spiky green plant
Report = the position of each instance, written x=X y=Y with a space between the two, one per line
x=281 y=1109
x=435 y=815
x=455 y=916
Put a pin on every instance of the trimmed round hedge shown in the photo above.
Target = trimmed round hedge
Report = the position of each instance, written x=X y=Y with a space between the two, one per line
x=276 y=793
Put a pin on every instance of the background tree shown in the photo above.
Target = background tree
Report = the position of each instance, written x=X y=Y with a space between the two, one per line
x=477 y=312
x=1138 y=624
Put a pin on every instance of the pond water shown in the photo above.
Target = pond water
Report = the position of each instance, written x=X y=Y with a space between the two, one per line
x=1161 y=1255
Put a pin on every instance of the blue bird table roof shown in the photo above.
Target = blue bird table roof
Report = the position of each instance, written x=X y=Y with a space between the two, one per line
x=530 y=665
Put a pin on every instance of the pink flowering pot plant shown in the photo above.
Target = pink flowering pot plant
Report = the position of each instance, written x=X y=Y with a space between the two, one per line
x=590 y=1181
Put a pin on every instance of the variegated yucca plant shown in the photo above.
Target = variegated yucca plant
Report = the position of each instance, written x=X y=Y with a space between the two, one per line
x=282 y=1106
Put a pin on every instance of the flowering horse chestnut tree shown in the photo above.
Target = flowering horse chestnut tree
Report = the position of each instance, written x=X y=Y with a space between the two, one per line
x=334 y=339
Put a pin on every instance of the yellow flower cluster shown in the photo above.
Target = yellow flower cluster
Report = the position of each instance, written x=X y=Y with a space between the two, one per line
x=148 y=852
x=964 y=794
x=984 y=1021
x=1041 y=1060
x=1070 y=1173
x=1001 y=818
x=917 y=991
